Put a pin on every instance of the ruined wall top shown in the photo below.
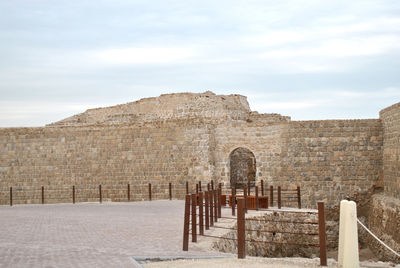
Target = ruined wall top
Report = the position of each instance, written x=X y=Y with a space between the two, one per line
x=167 y=106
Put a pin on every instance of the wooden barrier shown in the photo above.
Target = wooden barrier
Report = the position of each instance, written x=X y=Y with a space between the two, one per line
x=149 y=191
x=186 y=224
x=241 y=229
x=100 y=195
x=194 y=217
x=11 y=197
x=73 y=194
x=201 y=224
x=322 y=234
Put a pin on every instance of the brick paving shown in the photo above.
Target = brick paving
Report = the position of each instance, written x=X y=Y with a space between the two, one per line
x=91 y=234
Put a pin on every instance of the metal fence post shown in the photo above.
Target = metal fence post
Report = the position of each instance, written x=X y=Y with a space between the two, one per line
x=186 y=224
x=241 y=230
x=187 y=187
x=298 y=197
x=248 y=187
x=201 y=222
x=257 y=204
x=215 y=205
x=149 y=191
x=208 y=187
x=194 y=223
x=206 y=207
x=322 y=234
x=271 y=195
x=211 y=208
x=279 y=197
x=262 y=188
x=197 y=189
x=129 y=192
x=100 y=196
x=245 y=199
x=212 y=184
x=219 y=202
x=170 y=191
x=73 y=194
x=11 y=198
x=199 y=186
x=233 y=201
x=42 y=195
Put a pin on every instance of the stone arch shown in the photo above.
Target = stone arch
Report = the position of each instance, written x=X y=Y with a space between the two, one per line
x=242 y=167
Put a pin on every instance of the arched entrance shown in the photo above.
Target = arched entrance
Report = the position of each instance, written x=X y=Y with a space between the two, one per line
x=243 y=167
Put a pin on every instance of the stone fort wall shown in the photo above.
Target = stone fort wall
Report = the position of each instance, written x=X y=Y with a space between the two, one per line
x=330 y=160
x=384 y=216
x=57 y=158
x=190 y=140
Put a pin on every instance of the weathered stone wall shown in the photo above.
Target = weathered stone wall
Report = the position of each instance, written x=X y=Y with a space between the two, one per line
x=58 y=158
x=332 y=159
x=329 y=159
x=384 y=214
x=391 y=149
x=384 y=222
x=187 y=137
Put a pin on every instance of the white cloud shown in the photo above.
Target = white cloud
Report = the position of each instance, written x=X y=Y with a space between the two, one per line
x=145 y=55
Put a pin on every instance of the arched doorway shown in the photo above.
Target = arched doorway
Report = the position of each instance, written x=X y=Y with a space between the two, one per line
x=243 y=167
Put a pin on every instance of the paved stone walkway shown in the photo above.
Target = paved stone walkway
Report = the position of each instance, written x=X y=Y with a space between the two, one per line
x=91 y=234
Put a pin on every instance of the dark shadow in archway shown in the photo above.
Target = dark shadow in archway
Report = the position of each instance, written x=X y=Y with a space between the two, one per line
x=243 y=167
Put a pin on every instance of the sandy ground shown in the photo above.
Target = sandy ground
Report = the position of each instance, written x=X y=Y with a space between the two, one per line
x=255 y=262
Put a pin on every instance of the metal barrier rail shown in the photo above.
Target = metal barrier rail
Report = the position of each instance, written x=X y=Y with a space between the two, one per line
x=211 y=205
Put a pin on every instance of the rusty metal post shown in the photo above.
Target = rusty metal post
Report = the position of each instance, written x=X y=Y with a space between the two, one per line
x=73 y=194
x=170 y=191
x=271 y=196
x=211 y=208
x=298 y=197
x=322 y=234
x=197 y=189
x=187 y=187
x=186 y=224
x=279 y=197
x=42 y=195
x=201 y=222
x=245 y=199
x=149 y=191
x=194 y=223
x=212 y=184
x=233 y=201
x=248 y=186
x=129 y=192
x=206 y=195
x=220 y=185
x=208 y=187
x=219 y=202
x=241 y=229
x=199 y=186
x=257 y=204
x=100 y=196
x=262 y=188
x=11 y=199
x=215 y=205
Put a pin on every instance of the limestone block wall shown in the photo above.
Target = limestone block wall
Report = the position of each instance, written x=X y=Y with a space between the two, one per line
x=391 y=149
x=329 y=160
x=58 y=158
x=332 y=159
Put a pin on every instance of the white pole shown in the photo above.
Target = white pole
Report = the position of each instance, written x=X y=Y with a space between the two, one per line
x=348 y=235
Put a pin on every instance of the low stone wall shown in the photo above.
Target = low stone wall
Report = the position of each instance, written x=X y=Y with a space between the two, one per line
x=290 y=242
x=384 y=222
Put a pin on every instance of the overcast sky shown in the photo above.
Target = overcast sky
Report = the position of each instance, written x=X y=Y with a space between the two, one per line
x=305 y=59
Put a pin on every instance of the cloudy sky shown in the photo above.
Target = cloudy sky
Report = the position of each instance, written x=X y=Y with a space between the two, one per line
x=308 y=59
